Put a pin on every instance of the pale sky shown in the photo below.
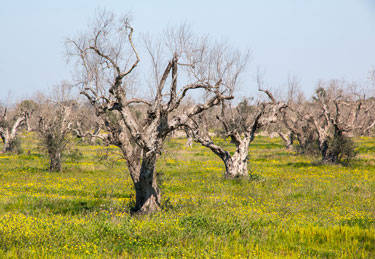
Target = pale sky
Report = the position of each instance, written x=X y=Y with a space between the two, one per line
x=313 y=39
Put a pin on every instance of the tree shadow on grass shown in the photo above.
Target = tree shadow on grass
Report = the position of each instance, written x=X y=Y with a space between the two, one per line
x=301 y=164
x=36 y=205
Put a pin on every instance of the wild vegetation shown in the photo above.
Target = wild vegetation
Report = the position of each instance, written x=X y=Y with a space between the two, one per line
x=98 y=168
x=289 y=207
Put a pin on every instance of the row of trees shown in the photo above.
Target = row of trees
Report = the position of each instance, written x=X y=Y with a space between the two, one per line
x=109 y=75
x=336 y=112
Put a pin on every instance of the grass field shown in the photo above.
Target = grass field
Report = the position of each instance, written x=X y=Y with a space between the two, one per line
x=291 y=208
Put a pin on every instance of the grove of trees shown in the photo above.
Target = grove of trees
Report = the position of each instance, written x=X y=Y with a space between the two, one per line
x=111 y=68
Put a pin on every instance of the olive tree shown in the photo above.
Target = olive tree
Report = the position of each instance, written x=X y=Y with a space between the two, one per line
x=10 y=123
x=53 y=129
x=334 y=114
x=107 y=62
x=240 y=124
x=52 y=121
x=338 y=113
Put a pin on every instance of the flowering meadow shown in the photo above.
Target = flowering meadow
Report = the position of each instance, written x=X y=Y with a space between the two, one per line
x=290 y=207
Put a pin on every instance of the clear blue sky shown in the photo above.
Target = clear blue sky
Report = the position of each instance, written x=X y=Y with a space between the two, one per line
x=314 y=39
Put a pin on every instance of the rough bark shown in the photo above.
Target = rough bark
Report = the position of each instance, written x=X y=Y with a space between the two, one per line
x=8 y=134
x=288 y=139
x=53 y=128
x=105 y=77
x=141 y=168
x=236 y=165
x=55 y=162
x=147 y=192
x=240 y=126
x=189 y=138
x=9 y=144
x=189 y=141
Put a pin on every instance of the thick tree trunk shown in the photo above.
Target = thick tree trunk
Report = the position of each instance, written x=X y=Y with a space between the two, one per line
x=9 y=135
x=55 y=162
x=189 y=138
x=289 y=144
x=323 y=146
x=288 y=139
x=9 y=144
x=236 y=165
x=144 y=177
x=327 y=156
x=189 y=141
x=7 y=147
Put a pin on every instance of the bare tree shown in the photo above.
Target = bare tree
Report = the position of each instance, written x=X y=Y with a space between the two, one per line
x=189 y=137
x=53 y=131
x=107 y=60
x=336 y=111
x=10 y=123
x=239 y=124
x=294 y=98
x=52 y=122
x=87 y=127
x=295 y=118
x=27 y=107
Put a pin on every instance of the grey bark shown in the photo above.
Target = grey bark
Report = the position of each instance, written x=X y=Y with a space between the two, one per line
x=106 y=73
x=55 y=162
x=236 y=164
x=189 y=137
x=147 y=192
x=8 y=132
x=288 y=139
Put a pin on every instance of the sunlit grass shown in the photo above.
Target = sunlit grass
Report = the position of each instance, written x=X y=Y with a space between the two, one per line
x=290 y=208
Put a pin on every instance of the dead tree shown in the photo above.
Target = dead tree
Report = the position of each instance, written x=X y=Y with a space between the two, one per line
x=239 y=124
x=26 y=107
x=288 y=138
x=296 y=119
x=87 y=127
x=9 y=126
x=53 y=129
x=52 y=121
x=107 y=61
x=189 y=137
x=338 y=114
x=333 y=115
x=292 y=125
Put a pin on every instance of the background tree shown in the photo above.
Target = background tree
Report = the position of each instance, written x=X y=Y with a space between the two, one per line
x=336 y=116
x=239 y=124
x=294 y=98
x=86 y=126
x=107 y=59
x=324 y=125
x=52 y=122
x=10 y=122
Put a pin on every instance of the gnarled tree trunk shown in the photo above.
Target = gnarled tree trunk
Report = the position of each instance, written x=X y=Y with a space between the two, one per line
x=146 y=189
x=55 y=162
x=7 y=141
x=236 y=166
x=9 y=134
x=158 y=116
x=288 y=139
x=189 y=138
x=141 y=167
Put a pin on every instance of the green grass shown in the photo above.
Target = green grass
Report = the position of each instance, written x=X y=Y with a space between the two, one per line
x=290 y=208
